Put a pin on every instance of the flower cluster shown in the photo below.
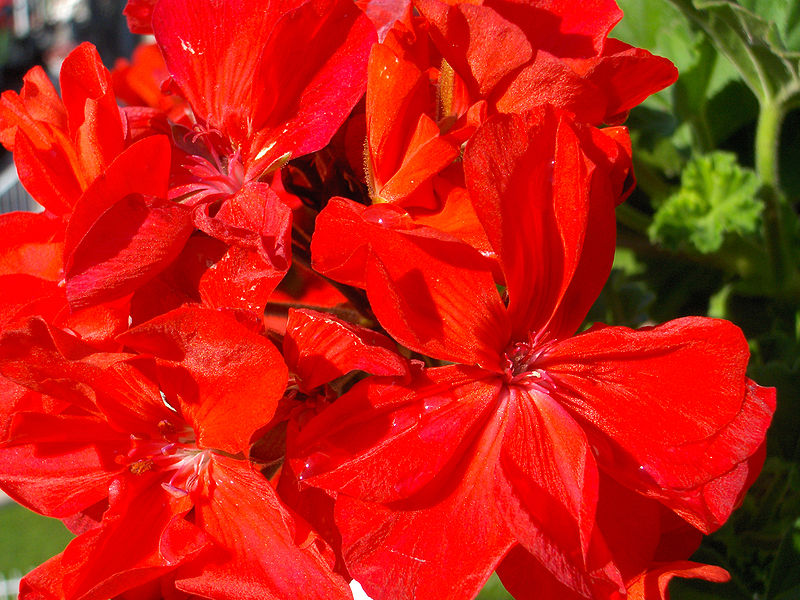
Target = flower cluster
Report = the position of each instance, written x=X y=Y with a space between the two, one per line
x=305 y=305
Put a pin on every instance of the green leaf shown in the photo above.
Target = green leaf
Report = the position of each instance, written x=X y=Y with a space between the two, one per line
x=784 y=581
x=753 y=44
x=494 y=590
x=717 y=197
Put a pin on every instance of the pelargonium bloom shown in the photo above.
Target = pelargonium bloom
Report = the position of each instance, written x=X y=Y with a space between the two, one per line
x=265 y=83
x=148 y=459
x=506 y=448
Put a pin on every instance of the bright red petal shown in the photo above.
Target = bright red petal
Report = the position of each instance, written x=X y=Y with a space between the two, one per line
x=319 y=348
x=450 y=309
x=678 y=417
x=270 y=554
x=540 y=171
x=223 y=378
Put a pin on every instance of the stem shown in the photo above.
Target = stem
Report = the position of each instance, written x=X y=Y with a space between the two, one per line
x=768 y=131
x=633 y=218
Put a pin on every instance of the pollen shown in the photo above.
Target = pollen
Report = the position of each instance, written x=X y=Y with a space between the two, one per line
x=141 y=466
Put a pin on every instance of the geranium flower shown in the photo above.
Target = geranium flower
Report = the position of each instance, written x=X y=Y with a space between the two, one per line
x=147 y=456
x=518 y=55
x=266 y=83
x=507 y=447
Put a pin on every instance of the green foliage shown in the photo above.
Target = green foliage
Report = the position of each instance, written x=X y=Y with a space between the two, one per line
x=716 y=197
x=28 y=539
x=494 y=590
x=751 y=42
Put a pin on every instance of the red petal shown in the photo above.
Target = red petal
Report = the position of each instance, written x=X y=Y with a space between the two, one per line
x=628 y=76
x=61 y=478
x=312 y=72
x=209 y=50
x=139 y=14
x=93 y=115
x=548 y=488
x=36 y=106
x=404 y=145
x=44 y=582
x=289 y=96
x=385 y=13
x=680 y=418
x=549 y=80
x=652 y=585
x=256 y=225
x=385 y=440
x=319 y=348
x=52 y=176
x=141 y=169
x=448 y=310
x=269 y=553
x=540 y=171
x=446 y=539
x=143 y=536
x=481 y=45
x=129 y=244
x=224 y=379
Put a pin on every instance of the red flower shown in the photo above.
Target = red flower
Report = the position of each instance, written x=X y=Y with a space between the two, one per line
x=509 y=452
x=519 y=55
x=159 y=442
x=61 y=147
x=256 y=109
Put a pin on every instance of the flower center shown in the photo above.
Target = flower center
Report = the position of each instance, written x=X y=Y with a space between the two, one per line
x=176 y=456
x=521 y=366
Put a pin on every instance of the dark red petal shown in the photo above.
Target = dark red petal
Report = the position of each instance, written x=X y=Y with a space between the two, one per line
x=269 y=553
x=139 y=14
x=224 y=379
x=678 y=417
x=129 y=244
x=526 y=578
x=318 y=347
